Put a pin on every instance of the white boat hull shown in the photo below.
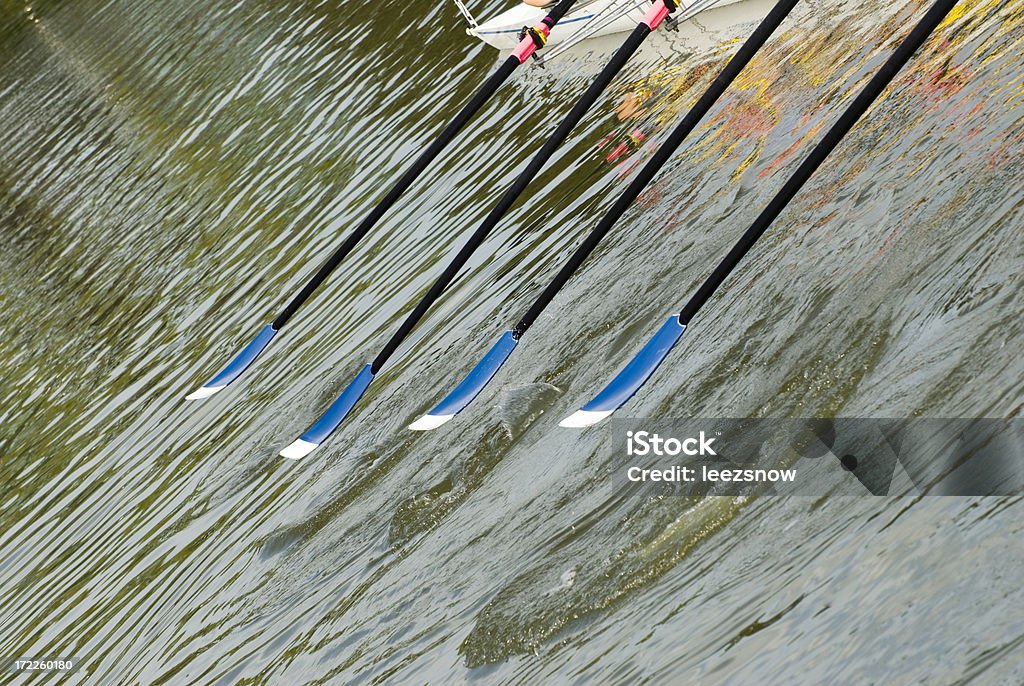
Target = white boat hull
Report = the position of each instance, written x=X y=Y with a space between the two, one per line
x=588 y=19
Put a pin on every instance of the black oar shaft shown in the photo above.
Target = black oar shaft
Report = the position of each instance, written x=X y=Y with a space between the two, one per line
x=418 y=167
x=735 y=65
x=586 y=101
x=821 y=151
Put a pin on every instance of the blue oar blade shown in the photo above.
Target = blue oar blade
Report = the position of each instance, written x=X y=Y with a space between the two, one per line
x=465 y=392
x=235 y=367
x=630 y=379
x=332 y=418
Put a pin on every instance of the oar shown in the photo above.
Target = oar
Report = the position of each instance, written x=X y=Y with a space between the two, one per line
x=532 y=40
x=471 y=386
x=640 y=368
x=337 y=412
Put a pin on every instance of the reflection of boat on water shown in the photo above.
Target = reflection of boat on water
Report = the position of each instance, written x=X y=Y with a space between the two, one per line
x=586 y=20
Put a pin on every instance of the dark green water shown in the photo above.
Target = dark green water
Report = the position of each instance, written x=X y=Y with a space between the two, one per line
x=169 y=171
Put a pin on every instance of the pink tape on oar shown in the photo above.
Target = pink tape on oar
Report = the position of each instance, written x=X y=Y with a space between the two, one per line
x=656 y=15
x=528 y=46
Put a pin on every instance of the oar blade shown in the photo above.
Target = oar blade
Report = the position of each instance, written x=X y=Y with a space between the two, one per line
x=470 y=387
x=630 y=379
x=236 y=366
x=332 y=418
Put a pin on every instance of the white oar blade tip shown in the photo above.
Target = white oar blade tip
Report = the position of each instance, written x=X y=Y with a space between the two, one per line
x=582 y=419
x=204 y=392
x=429 y=422
x=299 y=449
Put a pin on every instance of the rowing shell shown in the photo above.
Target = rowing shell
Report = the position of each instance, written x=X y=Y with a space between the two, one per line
x=586 y=20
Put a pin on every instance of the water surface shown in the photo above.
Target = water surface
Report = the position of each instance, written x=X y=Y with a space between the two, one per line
x=170 y=172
